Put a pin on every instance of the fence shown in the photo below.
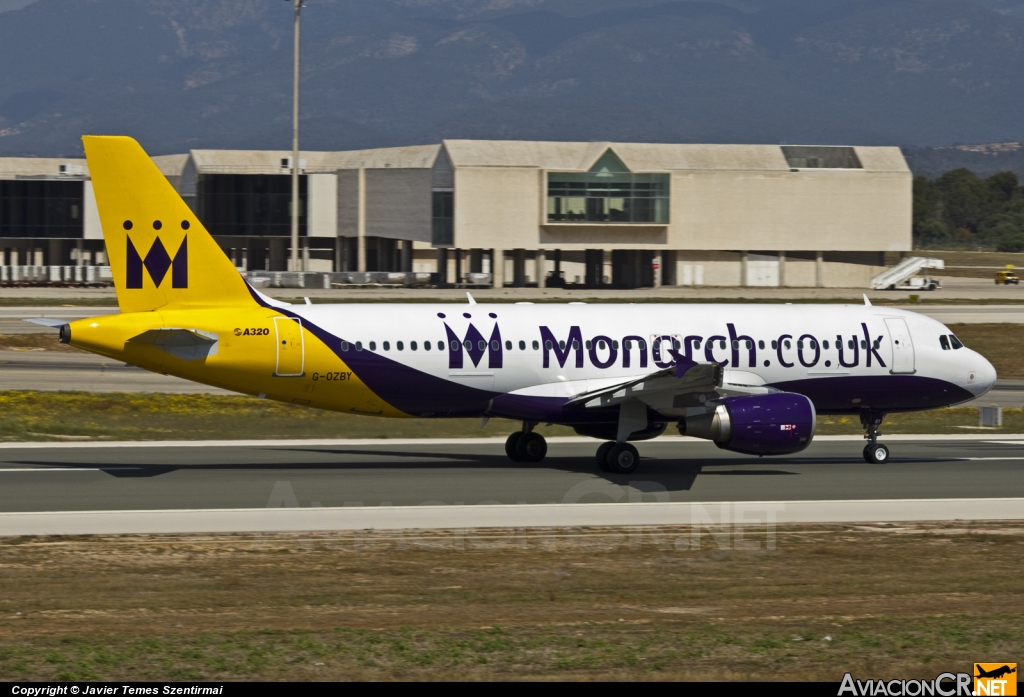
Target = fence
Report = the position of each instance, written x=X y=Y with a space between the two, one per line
x=55 y=275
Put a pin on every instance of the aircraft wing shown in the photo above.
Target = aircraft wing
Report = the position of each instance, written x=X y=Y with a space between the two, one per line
x=686 y=384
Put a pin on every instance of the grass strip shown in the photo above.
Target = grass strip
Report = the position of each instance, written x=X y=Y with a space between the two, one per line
x=623 y=603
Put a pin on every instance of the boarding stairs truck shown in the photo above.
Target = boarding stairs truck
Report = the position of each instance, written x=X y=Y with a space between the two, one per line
x=904 y=276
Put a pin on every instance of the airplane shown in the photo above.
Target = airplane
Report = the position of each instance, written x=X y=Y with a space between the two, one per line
x=750 y=378
x=994 y=673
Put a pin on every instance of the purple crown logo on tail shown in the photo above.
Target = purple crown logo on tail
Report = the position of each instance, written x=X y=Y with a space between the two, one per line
x=157 y=262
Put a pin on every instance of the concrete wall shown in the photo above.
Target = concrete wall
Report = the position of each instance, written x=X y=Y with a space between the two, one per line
x=348 y=202
x=398 y=203
x=92 y=229
x=322 y=200
x=820 y=210
x=497 y=207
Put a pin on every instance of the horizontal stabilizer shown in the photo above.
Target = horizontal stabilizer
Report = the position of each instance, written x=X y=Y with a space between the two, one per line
x=48 y=321
x=186 y=344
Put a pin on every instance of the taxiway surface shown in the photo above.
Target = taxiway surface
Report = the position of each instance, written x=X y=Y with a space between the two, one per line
x=100 y=477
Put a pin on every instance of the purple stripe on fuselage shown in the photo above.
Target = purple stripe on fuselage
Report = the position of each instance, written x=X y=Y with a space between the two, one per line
x=889 y=393
x=404 y=388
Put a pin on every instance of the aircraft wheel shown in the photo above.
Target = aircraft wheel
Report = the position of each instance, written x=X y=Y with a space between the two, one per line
x=622 y=458
x=602 y=455
x=531 y=447
x=510 y=446
x=876 y=454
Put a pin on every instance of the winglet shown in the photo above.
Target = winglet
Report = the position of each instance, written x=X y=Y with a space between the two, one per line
x=470 y=298
x=866 y=301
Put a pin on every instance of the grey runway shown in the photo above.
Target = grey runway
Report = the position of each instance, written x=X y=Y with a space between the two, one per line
x=254 y=476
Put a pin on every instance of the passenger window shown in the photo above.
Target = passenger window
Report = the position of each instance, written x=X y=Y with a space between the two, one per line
x=400 y=346
x=536 y=345
x=814 y=344
x=426 y=345
x=750 y=344
x=344 y=346
x=849 y=344
x=373 y=345
x=863 y=344
x=481 y=345
x=359 y=346
x=575 y=345
x=495 y=345
x=455 y=345
x=735 y=344
x=412 y=345
x=508 y=345
x=788 y=345
x=387 y=345
x=824 y=344
x=956 y=342
x=760 y=344
x=601 y=344
x=561 y=345
x=676 y=345
x=643 y=345
x=468 y=344
x=775 y=344
x=721 y=344
x=615 y=345
x=440 y=345
x=627 y=344
x=547 y=344
x=944 y=342
x=800 y=344
x=522 y=345
x=589 y=344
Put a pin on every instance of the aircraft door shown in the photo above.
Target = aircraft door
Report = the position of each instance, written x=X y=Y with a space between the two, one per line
x=291 y=352
x=902 y=346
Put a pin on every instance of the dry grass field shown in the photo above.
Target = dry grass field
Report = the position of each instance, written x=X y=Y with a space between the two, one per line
x=654 y=604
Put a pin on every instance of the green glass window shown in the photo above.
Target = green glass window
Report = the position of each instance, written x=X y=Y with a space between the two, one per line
x=443 y=219
x=608 y=193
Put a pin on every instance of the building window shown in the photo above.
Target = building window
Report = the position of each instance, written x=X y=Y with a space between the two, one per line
x=41 y=208
x=257 y=205
x=821 y=157
x=608 y=193
x=443 y=222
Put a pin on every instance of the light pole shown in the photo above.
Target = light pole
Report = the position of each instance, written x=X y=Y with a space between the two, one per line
x=296 y=264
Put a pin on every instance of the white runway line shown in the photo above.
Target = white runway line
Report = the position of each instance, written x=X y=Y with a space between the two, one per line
x=1003 y=438
x=506 y=516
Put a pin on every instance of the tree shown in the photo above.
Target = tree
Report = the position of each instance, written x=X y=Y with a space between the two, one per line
x=1005 y=183
x=967 y=199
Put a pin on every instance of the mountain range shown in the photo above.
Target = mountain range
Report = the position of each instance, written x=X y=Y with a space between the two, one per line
x=180 y=74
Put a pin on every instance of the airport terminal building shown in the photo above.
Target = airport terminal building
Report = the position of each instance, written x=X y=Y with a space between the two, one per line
x=538 y=213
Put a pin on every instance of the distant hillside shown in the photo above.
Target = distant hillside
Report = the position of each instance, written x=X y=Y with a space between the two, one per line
x=932 y=162
x=217 y=73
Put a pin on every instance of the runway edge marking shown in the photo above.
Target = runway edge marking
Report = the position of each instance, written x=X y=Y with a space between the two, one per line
x=506 y=516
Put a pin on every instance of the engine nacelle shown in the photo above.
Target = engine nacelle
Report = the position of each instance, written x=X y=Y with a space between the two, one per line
x=766 y=424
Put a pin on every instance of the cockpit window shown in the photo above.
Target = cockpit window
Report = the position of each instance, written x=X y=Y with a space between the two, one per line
x=956 y=342
x=944 y=342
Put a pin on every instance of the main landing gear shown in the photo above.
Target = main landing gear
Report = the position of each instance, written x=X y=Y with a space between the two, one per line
x=874 y=452
x=525 y=445
x=617 y=458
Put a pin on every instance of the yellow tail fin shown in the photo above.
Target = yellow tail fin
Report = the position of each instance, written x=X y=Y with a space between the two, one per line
x=159 y=253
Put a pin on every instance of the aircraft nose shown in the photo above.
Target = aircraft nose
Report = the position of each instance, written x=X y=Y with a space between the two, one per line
x=984 y=376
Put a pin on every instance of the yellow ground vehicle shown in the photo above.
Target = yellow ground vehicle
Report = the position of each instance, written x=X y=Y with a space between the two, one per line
x=1007 y=277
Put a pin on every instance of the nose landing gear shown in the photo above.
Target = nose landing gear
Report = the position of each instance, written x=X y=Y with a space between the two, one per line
x=874 y=452
x=525 y=445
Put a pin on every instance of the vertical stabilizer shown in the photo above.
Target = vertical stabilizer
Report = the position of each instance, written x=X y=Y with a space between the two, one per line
x=161 y=256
